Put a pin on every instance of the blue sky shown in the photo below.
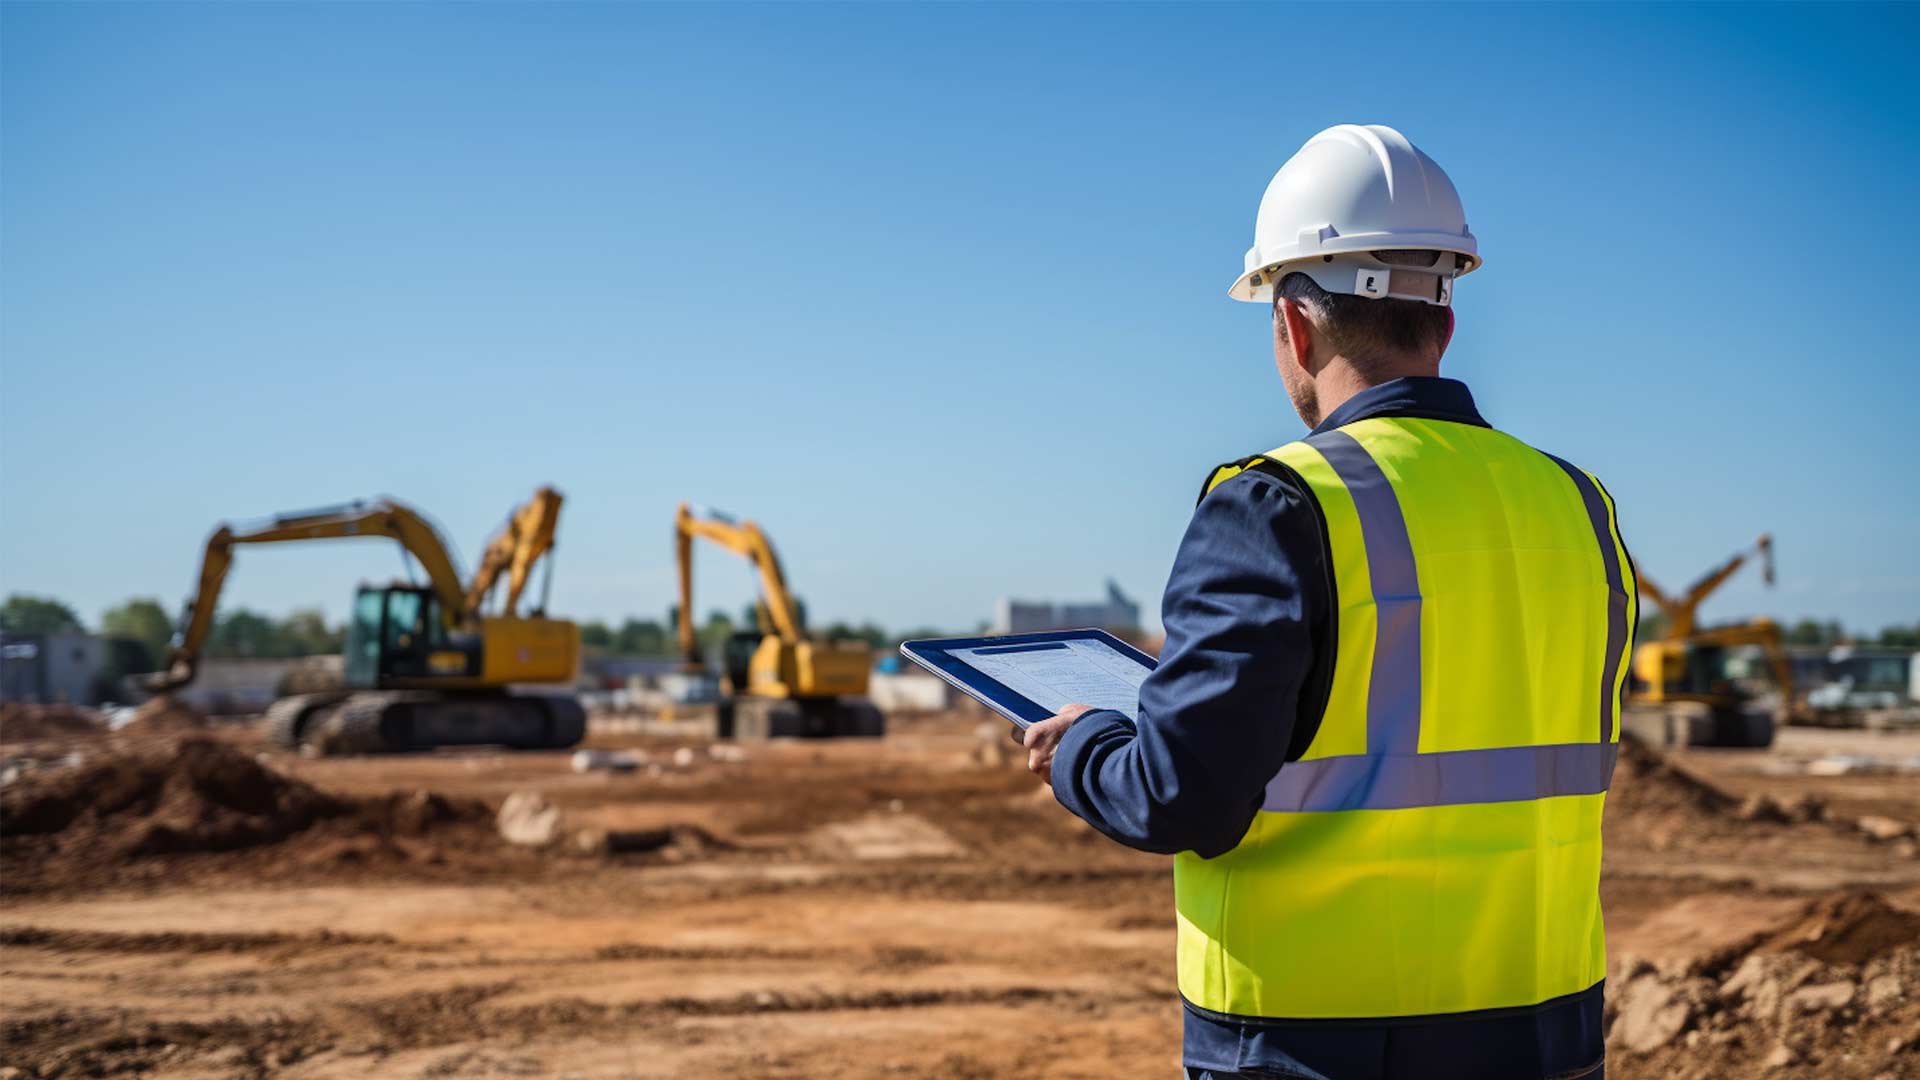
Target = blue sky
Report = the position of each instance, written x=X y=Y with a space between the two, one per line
x=936 y=293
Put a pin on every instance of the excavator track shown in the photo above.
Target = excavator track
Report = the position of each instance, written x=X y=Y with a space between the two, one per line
x=285 y=722
x=376 y=722
x=782 y=718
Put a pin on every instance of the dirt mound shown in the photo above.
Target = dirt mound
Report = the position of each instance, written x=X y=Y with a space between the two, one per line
x=21 y=722
x=131 y=814
x=165 y=715
x=197 y=795
x=1849 y=928
x=1829 y=992
x=1645 y=781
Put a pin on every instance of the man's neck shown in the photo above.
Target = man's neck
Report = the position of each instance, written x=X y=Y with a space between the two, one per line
x=1341 y=379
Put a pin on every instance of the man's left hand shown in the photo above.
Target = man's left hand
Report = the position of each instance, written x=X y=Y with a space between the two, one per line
x=1043 y=737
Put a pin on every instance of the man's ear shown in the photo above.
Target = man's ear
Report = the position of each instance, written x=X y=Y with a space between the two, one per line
x=1296 y=345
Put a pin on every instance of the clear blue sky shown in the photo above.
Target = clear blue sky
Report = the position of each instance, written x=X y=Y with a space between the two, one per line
x=936 y=293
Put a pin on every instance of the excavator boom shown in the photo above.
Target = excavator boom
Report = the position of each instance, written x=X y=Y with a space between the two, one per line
x=1682 y=612
x=742 y=538
x=791 y=684
x=527 y=537
x=381 y=517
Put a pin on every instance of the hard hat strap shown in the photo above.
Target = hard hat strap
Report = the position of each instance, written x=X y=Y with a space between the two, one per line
x=1401 y=283
x=1362 y=275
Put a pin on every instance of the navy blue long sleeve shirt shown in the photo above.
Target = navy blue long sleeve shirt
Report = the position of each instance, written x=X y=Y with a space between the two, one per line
x=1242 y=679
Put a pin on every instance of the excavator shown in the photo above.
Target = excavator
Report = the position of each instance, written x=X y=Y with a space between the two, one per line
x=1687 y=665
x=778 y=680
x=425 y=665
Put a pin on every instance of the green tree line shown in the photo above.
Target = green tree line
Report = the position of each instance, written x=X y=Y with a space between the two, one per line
x=305 y=632
x=242 y=632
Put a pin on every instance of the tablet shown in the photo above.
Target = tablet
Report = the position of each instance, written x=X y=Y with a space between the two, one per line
x=1029 y=677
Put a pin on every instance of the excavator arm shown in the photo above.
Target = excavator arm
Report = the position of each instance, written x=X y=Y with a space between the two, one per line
x=742 y=538
x=381 y=517
x=1653 y=592
x=1681 y=611
x=527 y=536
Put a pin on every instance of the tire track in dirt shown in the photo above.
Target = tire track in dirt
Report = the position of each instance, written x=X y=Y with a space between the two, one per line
x=118 y=1042
x=187 y=942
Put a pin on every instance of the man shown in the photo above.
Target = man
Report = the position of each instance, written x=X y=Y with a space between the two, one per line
x=1387 y=710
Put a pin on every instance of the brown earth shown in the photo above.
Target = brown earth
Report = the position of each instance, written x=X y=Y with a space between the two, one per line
x=139 y=810
x=909 y=907
x=20 y=722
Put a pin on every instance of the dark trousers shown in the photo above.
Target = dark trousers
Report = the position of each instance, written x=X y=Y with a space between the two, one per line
x=1598 y=1073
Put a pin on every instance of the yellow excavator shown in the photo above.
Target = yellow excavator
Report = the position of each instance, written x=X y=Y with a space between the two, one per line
x=1687 y=665
x=425 y=665
x=778 y=680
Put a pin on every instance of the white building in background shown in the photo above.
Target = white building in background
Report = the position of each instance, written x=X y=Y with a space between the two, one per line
x=51 y=669
x=1116 y=612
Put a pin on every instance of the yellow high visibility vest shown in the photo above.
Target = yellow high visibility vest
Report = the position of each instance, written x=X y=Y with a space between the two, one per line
x=1436 y=848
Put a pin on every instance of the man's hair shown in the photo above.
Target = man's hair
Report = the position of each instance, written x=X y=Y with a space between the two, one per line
x=1366 y=330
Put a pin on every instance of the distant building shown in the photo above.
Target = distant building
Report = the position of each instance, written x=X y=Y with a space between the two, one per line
x=236 y=685
x=1117 y=612
x=52 y=669
x=1864 y=676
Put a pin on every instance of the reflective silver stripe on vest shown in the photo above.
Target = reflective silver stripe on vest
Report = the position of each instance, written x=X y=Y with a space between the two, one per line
x=1393 y=688
x=1616 y=595
x=1446 y=778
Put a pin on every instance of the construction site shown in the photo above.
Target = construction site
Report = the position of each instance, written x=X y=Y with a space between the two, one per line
x=763 y=873
x=187 y=901
x=379 y=700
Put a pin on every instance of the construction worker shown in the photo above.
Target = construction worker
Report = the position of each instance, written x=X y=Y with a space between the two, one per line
x=1387 y=710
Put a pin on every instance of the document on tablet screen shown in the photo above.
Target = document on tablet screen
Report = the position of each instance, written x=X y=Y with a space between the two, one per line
x=1058 y=673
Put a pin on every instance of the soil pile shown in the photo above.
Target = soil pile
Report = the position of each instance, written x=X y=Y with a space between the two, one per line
x=1847 y=928
x=1646 y=782
x=197 y=795
x=1832 y=992
x=146 y=810
x=21 y=722
x=1656 y=803
x=165 y=715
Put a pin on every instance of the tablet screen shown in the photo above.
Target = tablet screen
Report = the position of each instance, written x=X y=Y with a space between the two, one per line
x=1054 y=674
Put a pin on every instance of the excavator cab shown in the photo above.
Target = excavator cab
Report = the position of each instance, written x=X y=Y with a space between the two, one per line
x=399 y=633
x=737 y=659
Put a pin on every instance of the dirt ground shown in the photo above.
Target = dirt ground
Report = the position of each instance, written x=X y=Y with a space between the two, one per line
x=902 y=908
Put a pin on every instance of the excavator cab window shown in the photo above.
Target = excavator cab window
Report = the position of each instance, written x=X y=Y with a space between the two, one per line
x=406 y=628
x=1706 y=670
x=397 y=633
x=363 y=638
x=737 y=658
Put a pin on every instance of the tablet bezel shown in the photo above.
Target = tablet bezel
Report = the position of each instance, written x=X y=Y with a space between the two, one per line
x=935 y=654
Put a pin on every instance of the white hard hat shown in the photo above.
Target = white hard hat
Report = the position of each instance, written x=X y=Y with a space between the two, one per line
x=1360 y=210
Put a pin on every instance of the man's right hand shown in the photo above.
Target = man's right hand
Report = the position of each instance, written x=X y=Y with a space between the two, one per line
x=1043 y=737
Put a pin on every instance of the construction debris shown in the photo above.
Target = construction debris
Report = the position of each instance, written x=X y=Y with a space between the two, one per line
x=1833 y=984
x=1885 y=828
x=607 y=760
x=528 y=819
